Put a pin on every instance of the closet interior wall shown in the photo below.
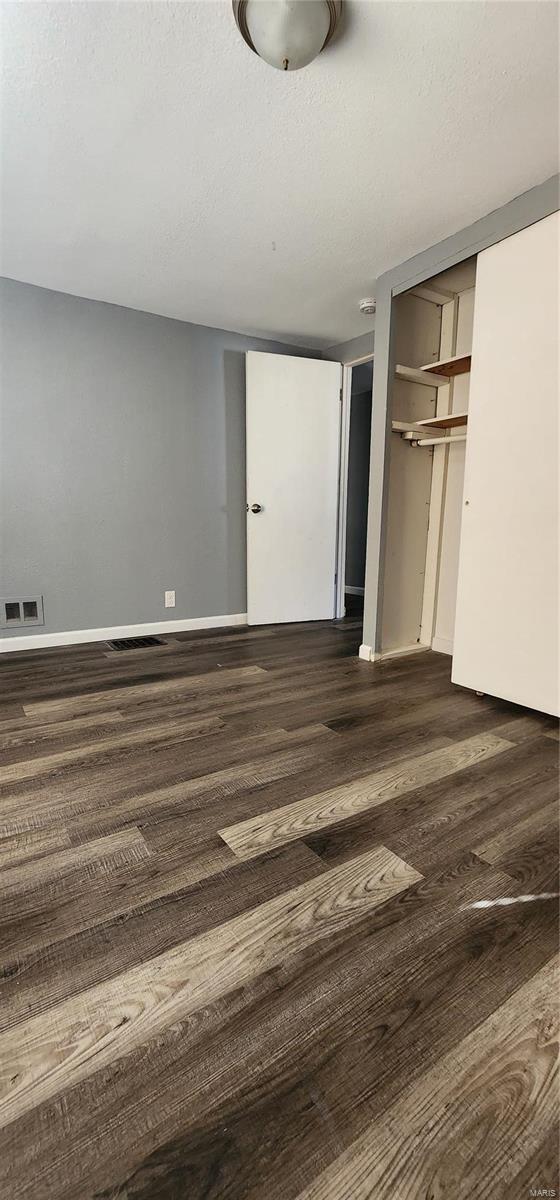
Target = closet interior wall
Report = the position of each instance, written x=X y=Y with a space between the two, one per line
x=426 y=482
x=418 y=334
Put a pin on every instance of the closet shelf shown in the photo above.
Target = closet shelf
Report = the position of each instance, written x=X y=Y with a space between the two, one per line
x=458 y=365
x=435 y=374
x=450 y=421
x=419 y=375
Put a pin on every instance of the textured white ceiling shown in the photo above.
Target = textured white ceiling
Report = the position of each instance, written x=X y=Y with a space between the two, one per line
x=151 y=160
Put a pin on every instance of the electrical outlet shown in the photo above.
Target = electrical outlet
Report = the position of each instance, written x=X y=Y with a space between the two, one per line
x=170 y=599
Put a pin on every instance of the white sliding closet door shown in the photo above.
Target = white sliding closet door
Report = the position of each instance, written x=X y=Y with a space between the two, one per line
x=506 y=629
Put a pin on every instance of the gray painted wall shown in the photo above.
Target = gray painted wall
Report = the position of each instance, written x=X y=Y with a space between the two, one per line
x=358 y=477
x=346 y=352
x=122 y=461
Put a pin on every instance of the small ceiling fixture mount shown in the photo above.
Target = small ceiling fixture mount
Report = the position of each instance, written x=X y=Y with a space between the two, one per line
x=367 y=306
x=287 y=34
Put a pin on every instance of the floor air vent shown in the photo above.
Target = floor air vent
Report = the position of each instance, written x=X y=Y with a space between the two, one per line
x=139 y=643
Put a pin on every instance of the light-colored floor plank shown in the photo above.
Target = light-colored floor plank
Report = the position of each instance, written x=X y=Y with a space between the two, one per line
x=304 y=817
x=53 y=1051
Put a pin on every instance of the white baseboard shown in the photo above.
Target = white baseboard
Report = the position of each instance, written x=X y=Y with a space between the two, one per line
x=73 y=637
x=442 y=645
x=353 y=591
x=416 y=648
x=365 y=652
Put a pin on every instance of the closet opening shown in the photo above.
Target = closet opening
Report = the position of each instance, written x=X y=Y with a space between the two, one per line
x=429 y=427
x=357 y=393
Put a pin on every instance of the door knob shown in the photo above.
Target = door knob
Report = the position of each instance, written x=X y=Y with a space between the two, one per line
x=256 y=508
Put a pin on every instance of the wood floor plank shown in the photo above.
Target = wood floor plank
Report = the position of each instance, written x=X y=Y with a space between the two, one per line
x=171 y=732
x=22 y=737
x=542 y=1171
x=74 y=904
x=115 y=697
x=327 y=704
x=16 y=882
x=522 y=727
x=24 y=846
x=445 y=818
x=535 y=865
x=496 y=1092
x=345 y=1016
x=474 y=824
x=79 y=678
x=9 y=712
x=517 y=833
x=305 y=817
x=125 y=796
x=514 y=726
x=182 y=1023
x=53 y=1051
x=129 y=933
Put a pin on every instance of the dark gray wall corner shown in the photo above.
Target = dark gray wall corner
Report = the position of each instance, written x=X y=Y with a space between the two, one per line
x=346 y=352
x=122 y=461
x=358 y=475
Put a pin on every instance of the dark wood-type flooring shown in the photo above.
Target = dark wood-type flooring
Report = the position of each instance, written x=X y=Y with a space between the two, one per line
x=276 y=924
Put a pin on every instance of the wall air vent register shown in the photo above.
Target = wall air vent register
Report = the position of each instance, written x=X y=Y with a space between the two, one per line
x=16 y=611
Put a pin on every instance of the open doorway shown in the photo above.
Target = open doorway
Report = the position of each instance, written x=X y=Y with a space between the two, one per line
x=354 y=481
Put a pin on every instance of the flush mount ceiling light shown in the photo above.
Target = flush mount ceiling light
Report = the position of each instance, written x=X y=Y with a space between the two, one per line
x=288 y=34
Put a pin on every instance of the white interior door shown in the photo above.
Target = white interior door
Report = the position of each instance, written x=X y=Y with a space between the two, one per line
x=506 y=626
x=293 y=446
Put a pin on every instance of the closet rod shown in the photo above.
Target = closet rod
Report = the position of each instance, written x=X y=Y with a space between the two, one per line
x=442 y=441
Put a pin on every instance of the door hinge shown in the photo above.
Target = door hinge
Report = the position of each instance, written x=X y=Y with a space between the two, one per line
x=340 y=394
